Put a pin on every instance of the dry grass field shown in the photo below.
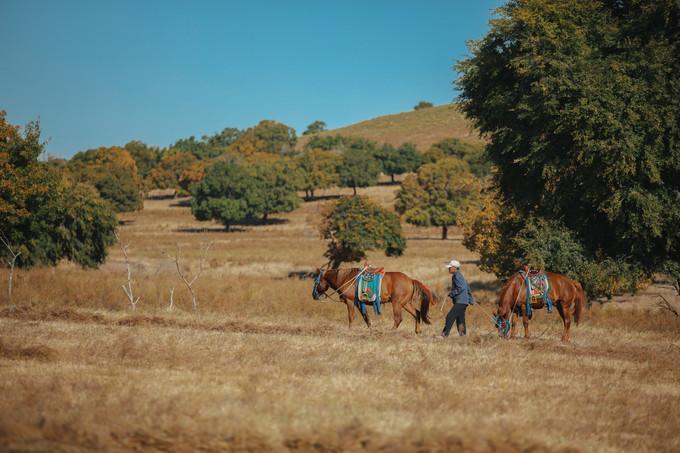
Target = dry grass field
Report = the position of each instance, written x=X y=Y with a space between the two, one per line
x=423 y=128
x=262 y=366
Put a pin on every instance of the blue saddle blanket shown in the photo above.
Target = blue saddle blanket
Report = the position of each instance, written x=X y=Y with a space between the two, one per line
x=368 y=289
x=537 y=285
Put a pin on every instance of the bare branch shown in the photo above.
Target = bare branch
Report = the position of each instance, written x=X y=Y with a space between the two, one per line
x=665 y=305
x=127 y=288
x=185 y=278
x=11 y=262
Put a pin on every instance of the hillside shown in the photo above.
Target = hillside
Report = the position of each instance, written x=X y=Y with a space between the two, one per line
x=421 y=127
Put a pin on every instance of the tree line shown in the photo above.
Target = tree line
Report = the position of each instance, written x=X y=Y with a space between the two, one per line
x=233 y=177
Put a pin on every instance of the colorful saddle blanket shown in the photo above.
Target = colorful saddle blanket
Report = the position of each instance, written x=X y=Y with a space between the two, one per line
x=368 y=287
x=538 y=287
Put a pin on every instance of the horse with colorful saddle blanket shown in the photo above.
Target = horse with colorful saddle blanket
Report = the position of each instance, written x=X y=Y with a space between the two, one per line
x=526 y=290
x=368 y=287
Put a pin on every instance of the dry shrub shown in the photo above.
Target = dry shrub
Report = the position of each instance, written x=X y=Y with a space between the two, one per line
x=10 y=349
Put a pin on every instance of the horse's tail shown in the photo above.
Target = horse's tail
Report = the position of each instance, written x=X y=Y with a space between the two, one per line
x=580 y=302
x=426 y=299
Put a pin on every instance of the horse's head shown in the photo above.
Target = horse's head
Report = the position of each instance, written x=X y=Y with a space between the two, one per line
x=502 y=324
x=320 y=285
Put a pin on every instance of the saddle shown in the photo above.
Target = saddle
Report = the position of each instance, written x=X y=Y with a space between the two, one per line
x=538 y=286
x=368 y=287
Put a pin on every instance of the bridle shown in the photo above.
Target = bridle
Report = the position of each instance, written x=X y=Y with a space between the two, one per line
x=317 y=280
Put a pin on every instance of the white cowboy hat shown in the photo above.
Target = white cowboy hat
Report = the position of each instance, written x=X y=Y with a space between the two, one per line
x=453 y=263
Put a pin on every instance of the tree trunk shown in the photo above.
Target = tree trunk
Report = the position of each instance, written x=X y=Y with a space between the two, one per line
x=312 y=194
x=355 y=189
x=445 y=232
x=264 y=217
x=392 y=176
x=227 y=227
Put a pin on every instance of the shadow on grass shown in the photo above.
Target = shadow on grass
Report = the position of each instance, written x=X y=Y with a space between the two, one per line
x=434 y=238
x=210 y=229
x=234 y=228
x=322 y=198
x=185 y=203
x=302 y=275
x=486 y=286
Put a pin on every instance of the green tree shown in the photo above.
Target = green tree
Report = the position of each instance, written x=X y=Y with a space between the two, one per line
x=437 y=194
x=579 y=103
x=223 y=194
x=223 y=139
x=354 y=225
x=113 y=172
x=397 y=161
x=267 y=137
x=315 y=128
x=423 y=105
x=233 y=192
x=43 y=215
x=168 y=173
x=318 y=170
x=358 y=168
x=276 y=190
x=146 y=157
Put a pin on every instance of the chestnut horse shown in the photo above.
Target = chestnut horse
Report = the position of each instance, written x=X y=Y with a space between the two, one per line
x=567 y=295
x=397 y=288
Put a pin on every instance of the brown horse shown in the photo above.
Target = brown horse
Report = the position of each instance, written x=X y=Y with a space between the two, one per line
x=567 y=295
x=397 y=288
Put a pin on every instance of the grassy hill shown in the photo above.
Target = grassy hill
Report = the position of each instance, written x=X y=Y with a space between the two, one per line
x=422 y=127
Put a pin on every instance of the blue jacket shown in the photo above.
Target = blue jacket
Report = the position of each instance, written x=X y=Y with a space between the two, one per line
x=460 y=291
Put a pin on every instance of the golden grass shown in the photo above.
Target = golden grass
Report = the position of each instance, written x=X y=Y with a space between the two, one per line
x=262 y=366
x=423 y=128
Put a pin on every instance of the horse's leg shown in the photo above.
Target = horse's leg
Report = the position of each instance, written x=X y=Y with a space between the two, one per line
x=513 y=324
x=366 y=318
x=350 y=311
x=525 y=322
x=566 y=318
x=408 y=306
x=396 y=310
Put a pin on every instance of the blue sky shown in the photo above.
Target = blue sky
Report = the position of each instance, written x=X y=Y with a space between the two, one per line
x=103 y=73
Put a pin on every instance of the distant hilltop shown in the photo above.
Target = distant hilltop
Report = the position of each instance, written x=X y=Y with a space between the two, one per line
x=422 y=127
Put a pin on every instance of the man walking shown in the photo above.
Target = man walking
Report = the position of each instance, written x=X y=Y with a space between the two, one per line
x=461 y=296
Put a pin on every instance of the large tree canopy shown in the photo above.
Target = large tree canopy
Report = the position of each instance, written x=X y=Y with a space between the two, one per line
x=580 y=103
x=43 y=216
